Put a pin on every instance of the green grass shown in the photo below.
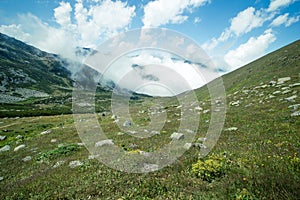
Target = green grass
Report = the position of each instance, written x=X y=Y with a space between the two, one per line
x=260 y=160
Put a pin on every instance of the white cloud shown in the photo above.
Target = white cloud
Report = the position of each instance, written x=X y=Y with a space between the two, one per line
x=62 y=14
x=160 y=12
x=93 y=23
x=284 y=19
x=197 y=20
x=276 y=4
x=244 y=22
x=254 y=48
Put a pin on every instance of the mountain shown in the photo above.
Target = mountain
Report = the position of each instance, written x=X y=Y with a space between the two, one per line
x=255 y=157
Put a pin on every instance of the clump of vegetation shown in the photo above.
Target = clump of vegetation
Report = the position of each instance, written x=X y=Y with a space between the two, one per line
x=64 y=150
x=213 y=167
x=295 y=162
x=243 y=194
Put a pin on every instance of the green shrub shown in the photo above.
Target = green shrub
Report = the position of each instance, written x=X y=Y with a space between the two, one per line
x=211 y=168
x=60 y=151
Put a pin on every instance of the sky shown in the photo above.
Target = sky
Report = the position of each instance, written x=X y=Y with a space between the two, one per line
x=232 y=33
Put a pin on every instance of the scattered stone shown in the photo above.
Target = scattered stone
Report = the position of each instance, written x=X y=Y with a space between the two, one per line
x=201 y=139
x=282 y=80
x=120 y=133
x=91 y=157
x=59 y=163
x=231 y=129
x=294 y=107
x=155 y=132
x=133 y=146
x=189 y=131
x=19 y=137
x=149 y=167
x=144 y=153
x=271 y=96
x=127 y=123
x=291 y=99
x=205 y=111
x=200 y=146
x=1 y=178
x=27 y=158
x=22 y=146
x=187 y=146
x=272 y=83
x=60 y=145
x=2 y=137
x=114 y=117
x=295 y=85
x=104 y=142
x=45 y=132
x=177 y=136
x=5 y=148
x=277 y=92
x=53 y=140
x=235 y=103
x=294 y=114
x=198 y=108
x=286 y=91
x=75 y=163
x=180 y=106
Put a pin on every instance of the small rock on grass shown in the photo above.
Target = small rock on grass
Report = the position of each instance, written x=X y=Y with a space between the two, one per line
x=1 y=178
x=58 y=163
x=187 y=146
x=19 y=137
x=104 y=143
x=2 y=137
x=294 y=114
x=177 y=136
x=27 y=158
x=5 y=148
x=75 y=163
x=22 y=146
x=231 y=129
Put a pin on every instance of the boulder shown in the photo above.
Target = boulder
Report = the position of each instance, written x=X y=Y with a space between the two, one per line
x=5 y=148
x=294 y=114
x=75 y=163
x=187 y=146
x=177 y=136
x=104 y=143
x=22 y=146
x=127 y=123
x=231 y=129
x=27 y=158
x=19 y=137
x=2 y=137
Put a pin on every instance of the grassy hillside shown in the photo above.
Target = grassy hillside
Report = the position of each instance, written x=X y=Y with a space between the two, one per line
x=256 y=157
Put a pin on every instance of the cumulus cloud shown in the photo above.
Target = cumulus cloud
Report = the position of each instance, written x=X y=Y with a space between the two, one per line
x=249 y=51
x=160 y=12
x=92 y=24
x=62 y=14
x=276 y=4
x=244 y=22
x=284 y=19
x=197 y=20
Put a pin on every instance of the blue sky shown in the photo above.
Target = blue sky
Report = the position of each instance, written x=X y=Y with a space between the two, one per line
x=233 y=33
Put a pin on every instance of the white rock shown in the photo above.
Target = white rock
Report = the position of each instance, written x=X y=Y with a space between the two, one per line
x=53 y=140
x=282 y=80
x=1 y=178
x=75 y=163
x=187 y=146
x=198 y=108
x=201 y=139
x=294 y=107
x=91 y=157
x=155 y=133
x=177 y=136
x=127 y=123
x=2 y=137
x=22 y=146
x=294 y=114
x=295 y=85
x=235 y=103
x=5 y=148
x=149 y=167
x=19 y=137
x=291 y=98
x=120 y=133
x=45 y=132
x=104 y=142
x=286 y=91
x=277 y=92
x=231 y=129
x=58 y=163
x=199 y=145
x=27 y=158
x=144 y=153
x=205 y=111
